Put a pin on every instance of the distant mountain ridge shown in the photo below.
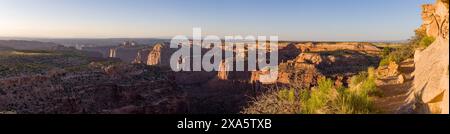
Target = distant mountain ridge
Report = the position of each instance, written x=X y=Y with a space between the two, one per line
x=28 y=45
x=89 y=42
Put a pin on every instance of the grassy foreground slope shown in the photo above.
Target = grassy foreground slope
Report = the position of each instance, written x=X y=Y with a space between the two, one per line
x=325 y=98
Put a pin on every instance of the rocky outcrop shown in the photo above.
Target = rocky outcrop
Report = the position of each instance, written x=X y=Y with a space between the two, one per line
x=223 y=72
x=154 y=57
x=431 y=76
x=142 y=56
x=352 y=46
x=298 y=74
x=112 y=52
x=160 y=55
x=388 y=71
x=435 y=19
x=338 y=63
x=128 y=51
x=312 y=58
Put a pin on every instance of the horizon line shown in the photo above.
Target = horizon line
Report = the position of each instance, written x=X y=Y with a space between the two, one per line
x=168 y=38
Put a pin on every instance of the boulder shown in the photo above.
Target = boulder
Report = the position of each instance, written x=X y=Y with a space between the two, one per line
x=393 y=69
x=313 y=58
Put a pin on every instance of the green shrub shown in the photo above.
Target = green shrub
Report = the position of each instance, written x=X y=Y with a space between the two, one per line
x=426 y=41
x=319 y=97
x=325 y=98
x=351 y=102
x=369 y=87
x=287 y=95
x=356 y=99
x=364 y=82
x=355 y=80
x=402 y=54
x=419 y=40
x=419 y=34
x=384 y=62
x=398 y=55
x=386 y=51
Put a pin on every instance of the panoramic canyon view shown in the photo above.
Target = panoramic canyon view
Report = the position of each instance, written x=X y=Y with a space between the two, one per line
x=73 y=74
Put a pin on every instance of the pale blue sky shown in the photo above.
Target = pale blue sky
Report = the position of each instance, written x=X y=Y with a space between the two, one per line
x=326 y=20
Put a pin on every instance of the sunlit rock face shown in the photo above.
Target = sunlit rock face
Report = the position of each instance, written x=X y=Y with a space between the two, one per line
x=154 y=57
x=351 y=46
x=431 y=75
x=160 y=55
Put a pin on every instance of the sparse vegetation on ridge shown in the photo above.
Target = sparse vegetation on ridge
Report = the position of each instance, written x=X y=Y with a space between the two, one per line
x=399 y=54
x=21 y=62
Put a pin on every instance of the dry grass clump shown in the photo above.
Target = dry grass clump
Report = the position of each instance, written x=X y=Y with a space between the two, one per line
x=283 y=101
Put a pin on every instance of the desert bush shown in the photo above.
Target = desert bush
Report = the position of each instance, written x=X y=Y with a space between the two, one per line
x=284 y=101
x=319 y=97
x=386 y=51
x=325 y=98
x=384 y=62
x=419 y=34
x=364 y=83
x=287 y=95
x=351 y=102
x=398 y=55
x=419 y=41
x=357 y=79
x=426 y=41
x=356 y=99
x=402 y=53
